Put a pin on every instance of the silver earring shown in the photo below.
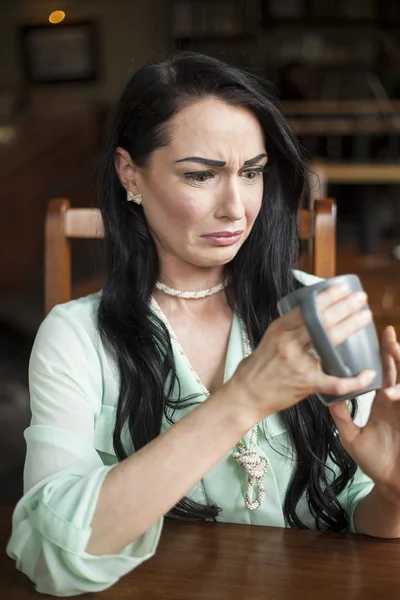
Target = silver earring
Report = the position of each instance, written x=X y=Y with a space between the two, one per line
x=137 y=198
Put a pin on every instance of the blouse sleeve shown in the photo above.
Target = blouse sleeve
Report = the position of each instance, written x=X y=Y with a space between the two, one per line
x=63 y=472
x=361 y=484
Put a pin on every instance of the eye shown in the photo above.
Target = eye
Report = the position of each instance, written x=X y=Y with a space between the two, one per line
x=199 y=176
x=253 y=173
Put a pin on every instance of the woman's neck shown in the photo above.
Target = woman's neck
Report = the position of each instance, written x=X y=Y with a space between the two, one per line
x=190 y=278
x=199 y=308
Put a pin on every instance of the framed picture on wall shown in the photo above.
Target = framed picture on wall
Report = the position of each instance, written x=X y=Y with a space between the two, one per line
x=60 y=53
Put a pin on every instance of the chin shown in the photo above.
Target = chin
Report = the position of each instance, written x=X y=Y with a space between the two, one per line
x=219 y=257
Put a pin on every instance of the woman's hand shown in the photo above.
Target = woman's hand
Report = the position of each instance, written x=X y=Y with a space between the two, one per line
x=282 y=371
x=376 y=446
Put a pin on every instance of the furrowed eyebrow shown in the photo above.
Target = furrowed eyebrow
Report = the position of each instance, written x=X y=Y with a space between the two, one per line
x=253 y=161
x=204 y=161
x=219 y=163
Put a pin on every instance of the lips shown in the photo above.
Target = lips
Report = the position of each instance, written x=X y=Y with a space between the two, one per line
x=223 y=238
x=224 y=234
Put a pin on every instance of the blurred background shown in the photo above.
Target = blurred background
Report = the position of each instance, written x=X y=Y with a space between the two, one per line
x=334 y=66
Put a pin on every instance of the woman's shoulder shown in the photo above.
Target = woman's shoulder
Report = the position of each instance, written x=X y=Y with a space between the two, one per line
x=82 y=308
x=69 y=331
x=79 y=314
x=68 y=355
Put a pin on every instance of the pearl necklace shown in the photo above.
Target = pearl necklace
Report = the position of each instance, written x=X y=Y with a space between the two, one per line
x=191 y=295
x=255 y=465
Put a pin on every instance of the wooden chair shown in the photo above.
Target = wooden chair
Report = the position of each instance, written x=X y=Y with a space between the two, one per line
x=317 y=227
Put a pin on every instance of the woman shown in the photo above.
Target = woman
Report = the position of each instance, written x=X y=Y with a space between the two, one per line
x=199 y=192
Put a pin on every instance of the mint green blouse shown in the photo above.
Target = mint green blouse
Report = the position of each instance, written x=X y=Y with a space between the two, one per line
x=74 y=387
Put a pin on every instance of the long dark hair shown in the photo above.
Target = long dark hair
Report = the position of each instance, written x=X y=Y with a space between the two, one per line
x=259 y=275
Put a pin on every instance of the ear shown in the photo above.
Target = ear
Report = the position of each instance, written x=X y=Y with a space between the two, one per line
x=127 y=170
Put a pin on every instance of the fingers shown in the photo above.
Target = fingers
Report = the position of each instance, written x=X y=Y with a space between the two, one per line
x=391 y=393
x=341 y=308
x=332 y=295
x=341 y=314
x=348 y=430
x=339 y=332
x=341 y=386
x=391 y=344
x=388 y=362
x=291 y=321
x=389 y=335
x=337 y=297
x=343 y=317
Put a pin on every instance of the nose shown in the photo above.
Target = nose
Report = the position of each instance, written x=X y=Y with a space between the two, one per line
x=230 y=205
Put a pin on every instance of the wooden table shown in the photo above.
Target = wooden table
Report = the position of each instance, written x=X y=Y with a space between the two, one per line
x=215 y=561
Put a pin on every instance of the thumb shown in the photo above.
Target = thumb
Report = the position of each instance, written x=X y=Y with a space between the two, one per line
x=348 y=430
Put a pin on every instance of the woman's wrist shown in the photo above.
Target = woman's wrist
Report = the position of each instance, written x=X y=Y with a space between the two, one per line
x=388 y=496
x=243 y=408
x=378 y=514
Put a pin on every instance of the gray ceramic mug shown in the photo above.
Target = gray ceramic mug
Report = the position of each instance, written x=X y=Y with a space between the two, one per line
x=359 y=352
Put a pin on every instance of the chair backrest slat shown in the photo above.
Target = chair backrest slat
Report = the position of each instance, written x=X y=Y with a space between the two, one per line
x=83 y=223
x=318 y=227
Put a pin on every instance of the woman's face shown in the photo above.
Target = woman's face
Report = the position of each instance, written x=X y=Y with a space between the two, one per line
x=205 y=185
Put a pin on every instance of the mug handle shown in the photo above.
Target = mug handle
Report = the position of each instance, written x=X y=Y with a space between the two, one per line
x=322 y=343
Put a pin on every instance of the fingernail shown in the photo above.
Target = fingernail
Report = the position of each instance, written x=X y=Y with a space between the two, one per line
x=360 y=296
x=370 y=374
x=391 y=392
x=365 y=315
